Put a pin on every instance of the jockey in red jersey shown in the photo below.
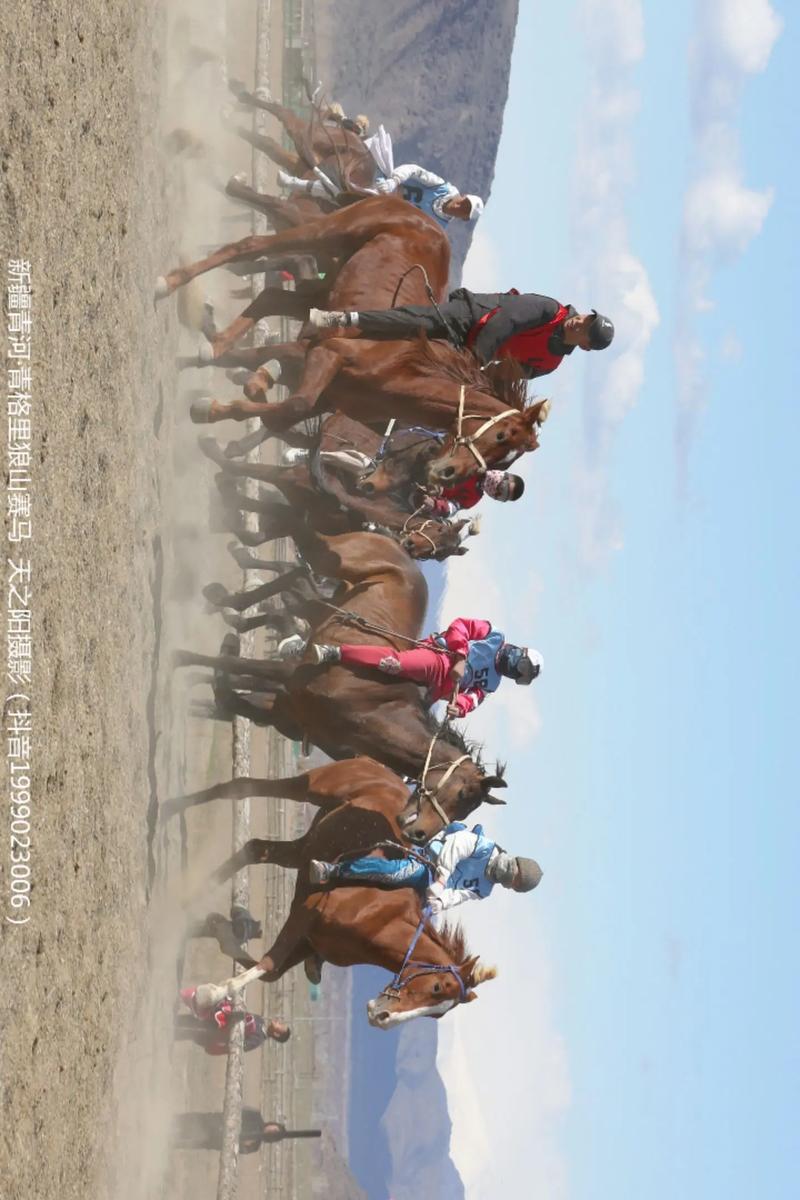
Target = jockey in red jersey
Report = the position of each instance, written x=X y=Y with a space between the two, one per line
x=499 y=485
x=469 y=659
x=536 y=331
x=217 y=1020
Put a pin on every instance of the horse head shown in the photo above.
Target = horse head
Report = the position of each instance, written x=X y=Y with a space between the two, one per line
x=427 y=990
x=487 y=443
x=402 y=464
x=449 y=791
x=437 y=539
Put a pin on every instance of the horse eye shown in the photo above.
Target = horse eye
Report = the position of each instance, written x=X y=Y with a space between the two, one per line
x=437 y=987
x=501 y=437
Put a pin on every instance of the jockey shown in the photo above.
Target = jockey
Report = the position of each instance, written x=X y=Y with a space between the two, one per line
x=464 y=663
x=536 y=331
x=498 y=485
x=426 y=191
x=463 y=865
x=217 y=1022
x=430 y=193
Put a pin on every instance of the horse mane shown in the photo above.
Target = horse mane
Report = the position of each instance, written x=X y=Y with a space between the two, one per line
x=503 y=380
x=453 y=736
x=451 y=937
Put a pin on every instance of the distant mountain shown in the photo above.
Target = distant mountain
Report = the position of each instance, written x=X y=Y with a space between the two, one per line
x=417 y=1123
x=331 y=1178
x=399 y=1122
x=435 y=72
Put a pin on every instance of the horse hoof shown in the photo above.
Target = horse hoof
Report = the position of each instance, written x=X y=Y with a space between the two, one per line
x=263 y=93
x=230 y=645
x=236 y=181
x=210 y=447
x=201 y=410
x=216 y=594
x=162 y=288
x=205 y=353
x=238 y=375
x=237 y=87
x=544 y=412
x=208 y=322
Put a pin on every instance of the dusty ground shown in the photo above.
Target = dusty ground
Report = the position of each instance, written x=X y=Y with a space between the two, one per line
x=92 y=196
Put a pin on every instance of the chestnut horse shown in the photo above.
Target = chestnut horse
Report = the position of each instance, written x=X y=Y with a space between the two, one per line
x=347 y=712
x=430 y=384
x=360 y=803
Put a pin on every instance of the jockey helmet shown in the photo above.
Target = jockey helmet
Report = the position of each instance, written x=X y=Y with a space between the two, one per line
x=476 y=206
x=529 y=875
x=601 y=331
x=521 y=874
x=519 y=663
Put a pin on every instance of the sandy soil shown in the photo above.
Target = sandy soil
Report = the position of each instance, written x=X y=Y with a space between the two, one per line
x=101 y=204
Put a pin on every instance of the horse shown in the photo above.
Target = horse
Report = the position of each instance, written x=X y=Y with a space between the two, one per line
x=360 y=803
x=329 y=507
x=332 y=147
x=346 y=712
x=378 y=241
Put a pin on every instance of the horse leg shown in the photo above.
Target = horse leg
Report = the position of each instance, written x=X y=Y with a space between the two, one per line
x=233 y=664
x=246 y=248
x=258 y=850
x=273 y=149
x=271 y=302
x=289 y=948
x=220 y=598
x=321 y=367
x=284 y=214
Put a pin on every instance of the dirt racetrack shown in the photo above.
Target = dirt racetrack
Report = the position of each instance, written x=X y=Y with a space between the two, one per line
x=101 y=196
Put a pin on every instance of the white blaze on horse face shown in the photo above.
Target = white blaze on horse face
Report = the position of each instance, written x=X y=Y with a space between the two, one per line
x=381 y=1018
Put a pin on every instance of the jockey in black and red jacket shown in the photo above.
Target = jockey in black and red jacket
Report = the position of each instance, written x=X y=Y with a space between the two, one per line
x=536 y=331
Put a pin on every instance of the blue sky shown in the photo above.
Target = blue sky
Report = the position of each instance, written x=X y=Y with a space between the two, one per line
x=642 y=1035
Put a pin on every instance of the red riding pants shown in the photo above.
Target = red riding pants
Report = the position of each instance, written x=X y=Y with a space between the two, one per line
x=422 y=665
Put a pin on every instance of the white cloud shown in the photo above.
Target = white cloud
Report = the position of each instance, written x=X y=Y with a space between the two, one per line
x=611 y=277
x=721 y=215
x=482 y=265
x=505 y=1064
x=740 y=33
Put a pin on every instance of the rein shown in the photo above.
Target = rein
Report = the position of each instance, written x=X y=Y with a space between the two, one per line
x=398 y=983
x=424 y=792
x=469 y=440
x=452 y=336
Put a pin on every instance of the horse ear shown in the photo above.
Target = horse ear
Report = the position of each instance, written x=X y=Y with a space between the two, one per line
x=490 y=799
x=473 y=972
x=470 y=996
x=467 y=969
x=493 y=781
x=461 y=550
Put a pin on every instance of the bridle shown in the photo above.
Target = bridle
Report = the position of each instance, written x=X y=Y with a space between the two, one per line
x=406 y=532
x=423 y=792
x=398 y=983
x=469 y=440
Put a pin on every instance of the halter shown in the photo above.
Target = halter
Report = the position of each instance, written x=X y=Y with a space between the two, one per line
x=424 y=792
x=405 y=531
x=398 y=983
x=469 y=440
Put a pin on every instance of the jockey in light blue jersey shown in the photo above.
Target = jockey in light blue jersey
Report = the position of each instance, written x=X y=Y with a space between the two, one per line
x=430 y=193
x=460 y=864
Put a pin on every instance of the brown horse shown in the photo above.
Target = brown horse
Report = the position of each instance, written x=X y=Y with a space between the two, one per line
x=379 y=242
x=347 y=712
x=317 y=142
x=330 y=508
x=360 y=803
